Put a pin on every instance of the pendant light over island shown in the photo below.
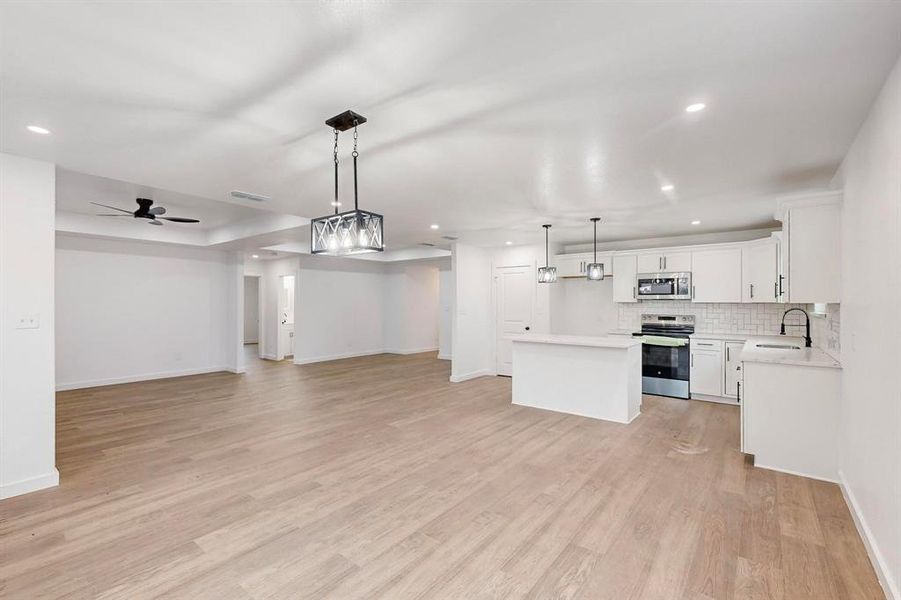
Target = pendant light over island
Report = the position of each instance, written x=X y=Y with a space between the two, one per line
x=547 y=273
x=595 y=270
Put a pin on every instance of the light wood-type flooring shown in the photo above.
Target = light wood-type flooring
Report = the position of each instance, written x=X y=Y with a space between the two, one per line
x=376 y=478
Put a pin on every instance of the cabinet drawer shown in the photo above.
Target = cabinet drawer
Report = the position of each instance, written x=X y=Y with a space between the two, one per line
x=710 y=345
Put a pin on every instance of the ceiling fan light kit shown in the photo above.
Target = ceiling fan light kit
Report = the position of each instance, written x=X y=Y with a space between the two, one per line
x=595 y=270
x=547 y=273
x=354 y=231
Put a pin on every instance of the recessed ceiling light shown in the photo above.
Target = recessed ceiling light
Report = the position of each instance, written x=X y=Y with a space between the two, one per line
x=695 y=222
x=433 y=226
x=667 y=188
x=38 y=129
x=255 y=255
x=695 y=107
x=509 y=243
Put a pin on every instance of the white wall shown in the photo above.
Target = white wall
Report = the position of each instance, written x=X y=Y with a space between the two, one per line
x=472 y=334
x=338 y=309
x=446 y=312
x=27 y=403
x=411 y=313
x=870 y=453
x=251 y=309
x=131 y=311
x=584 y=307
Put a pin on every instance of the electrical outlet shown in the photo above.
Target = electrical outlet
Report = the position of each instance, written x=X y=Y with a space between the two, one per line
x=29 y=322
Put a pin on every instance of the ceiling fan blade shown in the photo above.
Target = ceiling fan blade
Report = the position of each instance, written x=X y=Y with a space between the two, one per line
x=181 y=219
x=155 y=222
x=112 y=215
x=157 y=210
x=112 y=207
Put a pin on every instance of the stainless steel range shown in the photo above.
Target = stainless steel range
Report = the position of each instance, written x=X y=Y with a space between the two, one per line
x=666 y=354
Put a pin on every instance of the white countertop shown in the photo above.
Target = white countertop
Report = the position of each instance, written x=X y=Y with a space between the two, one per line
x=720 y=335
x=578 y=340
x=805 y=357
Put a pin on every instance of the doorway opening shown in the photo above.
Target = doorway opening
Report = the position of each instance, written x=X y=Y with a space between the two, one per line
x=253 y=305
x=285 y=317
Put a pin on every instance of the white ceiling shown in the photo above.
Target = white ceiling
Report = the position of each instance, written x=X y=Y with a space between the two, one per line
x=488 y=121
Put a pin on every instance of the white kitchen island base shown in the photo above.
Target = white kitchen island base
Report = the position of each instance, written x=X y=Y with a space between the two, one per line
x=597 y=377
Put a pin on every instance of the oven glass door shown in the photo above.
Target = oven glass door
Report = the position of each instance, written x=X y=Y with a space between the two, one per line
x=657 y=286
x=665 y=362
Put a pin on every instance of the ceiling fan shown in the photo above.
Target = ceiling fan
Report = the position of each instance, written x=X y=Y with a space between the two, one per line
x=146 y=210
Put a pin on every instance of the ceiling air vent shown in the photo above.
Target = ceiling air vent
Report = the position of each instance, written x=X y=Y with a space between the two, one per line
x=239 y=195
x=427 y=244
x=450 y=238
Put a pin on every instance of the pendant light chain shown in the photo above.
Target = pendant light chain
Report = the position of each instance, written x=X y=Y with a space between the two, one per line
x=595 y=240
x=336 y=203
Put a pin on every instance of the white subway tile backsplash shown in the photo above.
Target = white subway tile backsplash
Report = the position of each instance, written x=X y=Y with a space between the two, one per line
x=752 y=319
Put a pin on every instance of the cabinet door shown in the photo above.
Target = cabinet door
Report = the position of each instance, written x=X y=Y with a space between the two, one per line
x=624 y=265
x=760 y=272
x=650 y=263
x=814 y=254
x=568 y=265
x=732 y=366
x=716 y=275
x=677 y=262
x=706 y=372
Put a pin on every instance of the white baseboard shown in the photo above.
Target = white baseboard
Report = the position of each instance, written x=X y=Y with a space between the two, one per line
x=444 y=356
x=268 y=357
x=413 y=351
x=317 y=359
x=33 y=484
x=883 y=573
x=790 y=472
x=89 y=383
x=471 y=375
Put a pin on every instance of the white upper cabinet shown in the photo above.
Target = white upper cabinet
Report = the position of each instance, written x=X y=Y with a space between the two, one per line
x=813 y=239
x=716 y=275
x=760 y=272
x=625 y=269
x=568 y=265
x=664 y=262
x=576 y=265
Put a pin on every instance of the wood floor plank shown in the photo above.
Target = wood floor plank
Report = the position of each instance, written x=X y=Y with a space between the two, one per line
x=376 y=477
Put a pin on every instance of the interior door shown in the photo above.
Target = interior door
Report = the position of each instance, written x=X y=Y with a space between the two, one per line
x=515 y=287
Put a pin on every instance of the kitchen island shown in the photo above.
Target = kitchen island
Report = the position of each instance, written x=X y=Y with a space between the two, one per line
x=597 y=377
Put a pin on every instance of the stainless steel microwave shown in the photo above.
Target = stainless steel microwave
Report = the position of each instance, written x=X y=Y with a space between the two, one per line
x=663 y=286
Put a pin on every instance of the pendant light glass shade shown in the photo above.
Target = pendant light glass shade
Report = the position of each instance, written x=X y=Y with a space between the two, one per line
x=547 y=273
x=355 y=231
x=595 y=270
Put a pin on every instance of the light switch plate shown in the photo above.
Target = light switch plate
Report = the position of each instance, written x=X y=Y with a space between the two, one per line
x=29 y=322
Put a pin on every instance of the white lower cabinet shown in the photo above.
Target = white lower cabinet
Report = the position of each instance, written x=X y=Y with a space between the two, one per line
x=706 y=368
x=732 y=368
x=715 y=369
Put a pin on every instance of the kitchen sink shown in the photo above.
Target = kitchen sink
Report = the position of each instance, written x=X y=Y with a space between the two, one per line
x=779 y=346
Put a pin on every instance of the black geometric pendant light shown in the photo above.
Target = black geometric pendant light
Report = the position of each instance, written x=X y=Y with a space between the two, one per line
x=353 y=231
